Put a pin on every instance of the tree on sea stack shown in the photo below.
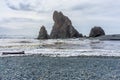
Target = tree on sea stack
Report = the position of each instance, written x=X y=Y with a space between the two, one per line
x=96 y=32
x=62 y=27
x=43 y=33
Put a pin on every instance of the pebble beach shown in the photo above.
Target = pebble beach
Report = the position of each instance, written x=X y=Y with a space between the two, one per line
x=37 y=67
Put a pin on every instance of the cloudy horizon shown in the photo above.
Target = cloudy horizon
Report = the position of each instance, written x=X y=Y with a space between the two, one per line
x=26 y=16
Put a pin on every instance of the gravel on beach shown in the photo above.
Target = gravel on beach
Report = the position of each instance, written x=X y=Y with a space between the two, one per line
x=37 y=67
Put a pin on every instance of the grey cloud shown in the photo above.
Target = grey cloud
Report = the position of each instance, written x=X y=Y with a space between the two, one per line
x=10 y=6
x=87 y=7
x=25 y=7
x=22 y=19
x=106 y=8
x=82 y=6
x=21 y=6
x=9 y=20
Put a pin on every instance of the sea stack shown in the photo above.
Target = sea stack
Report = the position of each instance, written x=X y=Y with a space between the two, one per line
x=96 y=32
x=62 y=27
x=43 y=33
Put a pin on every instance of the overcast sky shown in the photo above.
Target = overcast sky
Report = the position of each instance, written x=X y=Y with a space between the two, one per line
x=26 y=16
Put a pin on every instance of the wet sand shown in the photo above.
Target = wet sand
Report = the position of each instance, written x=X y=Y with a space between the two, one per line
x=37 y=67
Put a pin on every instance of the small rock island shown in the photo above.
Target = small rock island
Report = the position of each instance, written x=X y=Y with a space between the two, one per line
x=96 y=32
x=43 y=33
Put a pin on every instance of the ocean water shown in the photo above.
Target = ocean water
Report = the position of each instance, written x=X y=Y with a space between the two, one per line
x=62 y=67
x=59 y=47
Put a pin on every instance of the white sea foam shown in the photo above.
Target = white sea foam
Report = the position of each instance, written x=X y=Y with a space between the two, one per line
x=61 y=47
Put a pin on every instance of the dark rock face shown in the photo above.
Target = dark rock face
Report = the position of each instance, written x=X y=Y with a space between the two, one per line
x=43 y=33
x=63 y=27
x=96 y=32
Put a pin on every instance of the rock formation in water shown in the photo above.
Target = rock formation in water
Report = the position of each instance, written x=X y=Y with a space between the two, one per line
x=96 y=32
x=43 y=33
x=63 y=27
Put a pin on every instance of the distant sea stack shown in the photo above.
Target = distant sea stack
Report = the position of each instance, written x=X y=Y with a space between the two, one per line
x=96 y=32
x=62 y=27
x=43 y=33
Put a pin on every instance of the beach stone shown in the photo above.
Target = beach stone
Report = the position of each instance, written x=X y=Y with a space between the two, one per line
x=43 y=33
x=62 y=27
x=96 y=32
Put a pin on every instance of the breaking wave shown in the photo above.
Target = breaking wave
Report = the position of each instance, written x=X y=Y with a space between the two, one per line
x=61 y=47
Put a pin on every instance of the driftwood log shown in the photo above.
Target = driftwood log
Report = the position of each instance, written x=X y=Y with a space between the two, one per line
x=7 y=53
